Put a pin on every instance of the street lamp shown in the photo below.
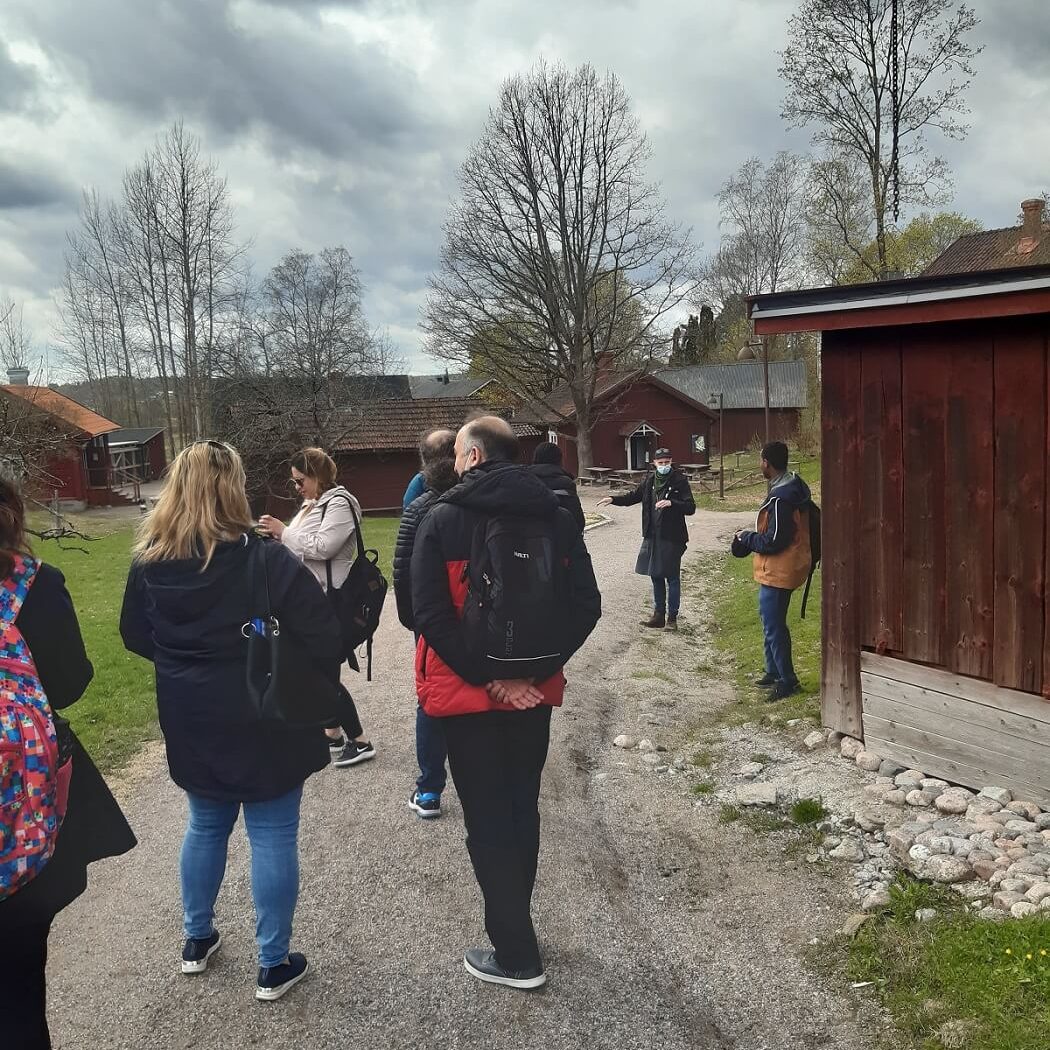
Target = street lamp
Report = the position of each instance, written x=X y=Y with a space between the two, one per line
x=716 y=401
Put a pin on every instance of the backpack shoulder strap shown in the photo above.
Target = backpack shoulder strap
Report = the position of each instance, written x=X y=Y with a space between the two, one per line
x=357 y=532
x=15 y=588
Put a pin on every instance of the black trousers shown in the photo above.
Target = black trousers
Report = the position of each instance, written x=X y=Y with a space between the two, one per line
x=496 y=759
x=23 y=988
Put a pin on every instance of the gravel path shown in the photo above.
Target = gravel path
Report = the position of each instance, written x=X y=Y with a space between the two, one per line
x=660 y=928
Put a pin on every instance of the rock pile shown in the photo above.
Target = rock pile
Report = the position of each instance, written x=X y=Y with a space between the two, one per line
x=986 y=843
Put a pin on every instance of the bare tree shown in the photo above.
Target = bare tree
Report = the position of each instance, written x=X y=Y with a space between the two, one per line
x=839 y=218
x=763 y=219
x=556 y=239
x=839 y=68
x=15 y=341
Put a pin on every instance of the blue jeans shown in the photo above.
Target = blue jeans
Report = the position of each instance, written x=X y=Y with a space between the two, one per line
x=431 y=753
x=667 y=593
x=273 y=828
x=773 y=605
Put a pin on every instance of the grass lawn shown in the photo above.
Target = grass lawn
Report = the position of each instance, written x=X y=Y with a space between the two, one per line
x=750 y=497
x=118 y=712
x=957 y=981
x=737 y=635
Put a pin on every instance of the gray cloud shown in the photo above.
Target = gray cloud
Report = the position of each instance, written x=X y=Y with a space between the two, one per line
x=344 y=121
x=21 y=187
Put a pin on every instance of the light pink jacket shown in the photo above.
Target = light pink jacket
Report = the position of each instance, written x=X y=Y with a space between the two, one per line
x=324 y=530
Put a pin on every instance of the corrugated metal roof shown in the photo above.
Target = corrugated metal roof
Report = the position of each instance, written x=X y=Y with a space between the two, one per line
x=64 y=408
x=741 y=383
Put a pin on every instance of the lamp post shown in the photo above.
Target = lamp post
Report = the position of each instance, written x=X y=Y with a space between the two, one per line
x=717 y=400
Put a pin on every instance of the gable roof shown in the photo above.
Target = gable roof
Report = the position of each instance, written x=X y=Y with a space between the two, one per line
x=61 y=407
x=456 y=386
x=742 y=383
x=134 y=435
x=557 y=405
x=990 y=250
x=396 y=425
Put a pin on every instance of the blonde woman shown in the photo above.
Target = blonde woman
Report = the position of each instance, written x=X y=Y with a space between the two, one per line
x=188 y=596
x=323 y=532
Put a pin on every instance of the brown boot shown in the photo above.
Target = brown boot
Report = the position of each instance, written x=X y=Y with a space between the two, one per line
x=672 y=623
x=656 y=620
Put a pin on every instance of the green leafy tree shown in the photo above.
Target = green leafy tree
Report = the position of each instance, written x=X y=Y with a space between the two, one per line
x=911 y=250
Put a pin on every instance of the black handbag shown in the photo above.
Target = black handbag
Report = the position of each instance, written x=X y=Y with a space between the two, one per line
x=283 y=682
x=358 y=603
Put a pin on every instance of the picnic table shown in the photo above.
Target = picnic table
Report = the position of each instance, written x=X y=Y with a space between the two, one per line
x=691 y=470
x=628 y=477
x=598 y=475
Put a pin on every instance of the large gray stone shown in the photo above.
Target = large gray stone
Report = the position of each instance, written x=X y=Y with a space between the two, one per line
x=909 y=780
x=955 y=800
x=939 y=868
x=850 y=748
x=756 y=795
x=896 y=797
x=997 y=794
x=889 y=768
x=814 y=740
x=850 y=850
x=1026 y=810
x=626 y=742
x=1023 y=909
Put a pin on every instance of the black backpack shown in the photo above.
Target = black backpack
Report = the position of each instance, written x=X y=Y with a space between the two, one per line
x=517 y=597
x=358 y=603
x=814 y=547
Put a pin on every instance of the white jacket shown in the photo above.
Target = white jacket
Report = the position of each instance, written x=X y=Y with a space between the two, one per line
x=323 y=530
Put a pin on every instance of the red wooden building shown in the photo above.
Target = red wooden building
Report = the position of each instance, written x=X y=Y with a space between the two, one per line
x=79 y=474
x=936 y=499
x=636 y=416
x=138 y=453
x=378 y=449
x=742 y=386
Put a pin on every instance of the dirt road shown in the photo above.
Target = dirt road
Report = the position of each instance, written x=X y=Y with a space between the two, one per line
x=660 y=928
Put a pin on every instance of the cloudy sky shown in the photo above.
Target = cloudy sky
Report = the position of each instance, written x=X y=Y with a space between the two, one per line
x=345 y=122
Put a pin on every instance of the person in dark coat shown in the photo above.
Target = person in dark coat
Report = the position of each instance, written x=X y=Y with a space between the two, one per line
x=93 y=827
x=547 y=466
x=666 y=499
x=438 y=452
x=188 y=605
x=497 y=728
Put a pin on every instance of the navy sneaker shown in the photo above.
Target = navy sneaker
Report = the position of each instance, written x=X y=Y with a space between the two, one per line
x=782 y=690
x=425 y=804
x=274 y=981
x=198 y=950
x=482 y=965
x=353 y=753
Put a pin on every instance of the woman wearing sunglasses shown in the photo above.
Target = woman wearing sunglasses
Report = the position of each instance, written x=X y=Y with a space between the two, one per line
x=322 y=533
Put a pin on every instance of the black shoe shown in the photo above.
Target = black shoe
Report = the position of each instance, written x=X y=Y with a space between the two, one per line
x=274 y=981
x=353 y=753
x=766 y=680
x=425 y=804
x=198 y=950
x=336 y=743
x=672 y=623
x=482 y=965
x=656 y=620
x=782 y=690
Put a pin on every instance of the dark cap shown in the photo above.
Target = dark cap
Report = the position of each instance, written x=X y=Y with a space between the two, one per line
x=662 y=453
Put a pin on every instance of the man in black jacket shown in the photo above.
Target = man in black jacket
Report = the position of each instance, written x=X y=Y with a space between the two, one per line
x=437 y=450
x=547 y=466
x=666 y=500
x=498 y=552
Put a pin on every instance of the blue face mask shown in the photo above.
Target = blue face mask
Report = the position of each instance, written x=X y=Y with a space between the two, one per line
x=663 y=468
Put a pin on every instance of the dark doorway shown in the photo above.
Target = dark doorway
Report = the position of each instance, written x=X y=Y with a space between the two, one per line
x=639 y=451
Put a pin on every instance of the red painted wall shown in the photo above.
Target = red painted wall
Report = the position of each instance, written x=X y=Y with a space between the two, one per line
x=156 y=456
x=743 y=426
x=676 y=421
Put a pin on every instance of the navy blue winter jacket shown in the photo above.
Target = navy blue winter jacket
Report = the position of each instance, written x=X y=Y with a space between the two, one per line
x=189 y=624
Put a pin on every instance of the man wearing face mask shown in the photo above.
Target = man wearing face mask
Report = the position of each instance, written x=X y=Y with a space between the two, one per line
x=666 y=499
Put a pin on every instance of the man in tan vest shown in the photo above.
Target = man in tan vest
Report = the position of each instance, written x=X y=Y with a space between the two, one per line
x=782 y=560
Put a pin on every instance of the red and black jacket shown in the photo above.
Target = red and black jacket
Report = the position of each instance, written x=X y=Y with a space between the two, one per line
x=449 y=679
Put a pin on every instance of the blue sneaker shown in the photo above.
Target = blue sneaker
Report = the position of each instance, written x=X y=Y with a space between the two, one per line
x=425 y=804
x=198 y=950
x=274 y=981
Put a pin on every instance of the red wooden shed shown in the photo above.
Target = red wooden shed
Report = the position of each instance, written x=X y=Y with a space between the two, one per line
x=936 y=500
x=636 y=414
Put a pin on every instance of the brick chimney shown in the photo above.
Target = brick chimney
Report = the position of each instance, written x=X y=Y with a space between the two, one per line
x=18 y=376
x=1032 y=224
